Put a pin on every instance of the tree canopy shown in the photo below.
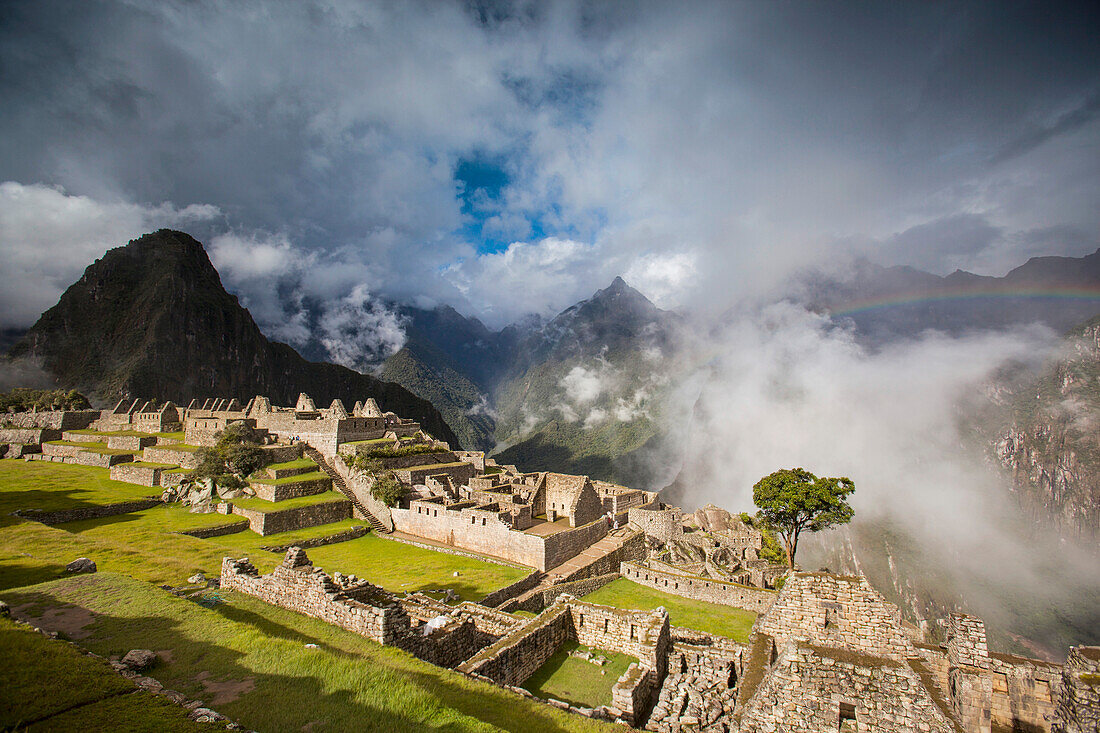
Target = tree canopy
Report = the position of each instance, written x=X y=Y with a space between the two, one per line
x=793 y=500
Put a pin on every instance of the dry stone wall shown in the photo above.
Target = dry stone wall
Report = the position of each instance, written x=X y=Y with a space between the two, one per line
x=90 y=512
x=52 y=419
x=140 y=475
x=296 y=585
x=837 y=611
x=810 y=689
x=698 y=588
x=285 y=520
x=1078 y=708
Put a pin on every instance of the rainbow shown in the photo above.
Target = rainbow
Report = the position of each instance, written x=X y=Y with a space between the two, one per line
x=992 y=293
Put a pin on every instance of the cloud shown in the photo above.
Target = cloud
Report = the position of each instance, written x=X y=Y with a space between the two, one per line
x=360 y=333
x=783 y=387
x=704 y=155
x=48 y=237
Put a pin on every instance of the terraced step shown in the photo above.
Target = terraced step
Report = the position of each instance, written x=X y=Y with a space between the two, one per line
x=266 y=517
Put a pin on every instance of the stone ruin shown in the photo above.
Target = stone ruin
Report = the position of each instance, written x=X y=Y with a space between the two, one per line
x=829 y=654
x=711 y=544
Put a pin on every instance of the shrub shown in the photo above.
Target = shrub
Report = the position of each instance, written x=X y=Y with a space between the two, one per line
x=387 y=489
x=235 y=453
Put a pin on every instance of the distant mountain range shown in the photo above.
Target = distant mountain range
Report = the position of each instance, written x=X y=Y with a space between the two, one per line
x=891 y=302
x=584 y=392
x=151 y=319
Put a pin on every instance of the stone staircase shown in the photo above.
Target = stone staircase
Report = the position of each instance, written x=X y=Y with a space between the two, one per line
x=341 y=485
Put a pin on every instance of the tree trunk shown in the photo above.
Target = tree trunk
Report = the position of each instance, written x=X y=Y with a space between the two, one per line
x=792 y=545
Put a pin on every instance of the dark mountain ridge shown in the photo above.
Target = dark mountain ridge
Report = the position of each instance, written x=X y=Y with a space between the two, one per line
x=152 y=319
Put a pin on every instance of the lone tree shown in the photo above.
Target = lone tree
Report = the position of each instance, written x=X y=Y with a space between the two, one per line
x=793 y=500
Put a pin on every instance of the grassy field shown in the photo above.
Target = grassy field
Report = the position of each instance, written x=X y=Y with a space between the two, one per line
x=577 y=681
x=51 y=487
x=710 y=617
x=244 y=657
x=61 y=689
x=249 y=661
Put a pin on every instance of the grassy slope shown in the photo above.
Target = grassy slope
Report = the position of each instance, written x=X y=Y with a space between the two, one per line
x=250 y=639
x=66 y=690
x=347 y=683
x=709 y=617
x=50 y=486
x=577 y=681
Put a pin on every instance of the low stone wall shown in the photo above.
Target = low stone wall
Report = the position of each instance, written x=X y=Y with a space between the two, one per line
x=758 y=600
x=539 y=600
x=28 y=436
x=290 y=489
x=54 y=419
x=90 y=512
x=518 y=655
x=141 y=475
x=285 y=520
x=497 y=597
x=282 y=452
x=332 y=539
x=633 y=692
x=220 y=531
x=130 y=442
x=362 y=608
x=170 y=454
x=170 y=479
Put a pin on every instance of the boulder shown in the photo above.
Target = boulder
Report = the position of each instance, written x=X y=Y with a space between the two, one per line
x=81 y=565
x=5 y=610
x=196 y=579
x=138 y=659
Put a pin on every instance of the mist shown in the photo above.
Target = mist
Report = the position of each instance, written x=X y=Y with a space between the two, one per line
x=781 y=387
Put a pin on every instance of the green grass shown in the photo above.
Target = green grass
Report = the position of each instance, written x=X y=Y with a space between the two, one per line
x=265 y=506
x=165 y=518
x=52 y=677
x=346 y=683
x=349 y=683
x=80 y=444
x=712 y=618
x=297 y=463
x=372 y=441
x=249 y=544
x=315 y=476
x=577 y=681
x=49 y=486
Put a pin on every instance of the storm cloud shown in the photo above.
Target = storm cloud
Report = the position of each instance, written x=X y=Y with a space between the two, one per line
x=514 y=157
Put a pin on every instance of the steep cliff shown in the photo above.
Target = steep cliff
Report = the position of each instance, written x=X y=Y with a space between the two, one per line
x=152 y=319
x=1045 y=430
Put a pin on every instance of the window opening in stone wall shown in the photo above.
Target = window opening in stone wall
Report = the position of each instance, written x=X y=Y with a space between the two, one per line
x=1000 y=683
x=1042 y=690
x=633 y=635
x=732 y=679
x=483 y=521
x=582 y=621
x=683 y=664
x=847 y=718
x=606 y=626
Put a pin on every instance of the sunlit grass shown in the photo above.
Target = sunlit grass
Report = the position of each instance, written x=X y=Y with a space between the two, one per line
x=712 y=618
